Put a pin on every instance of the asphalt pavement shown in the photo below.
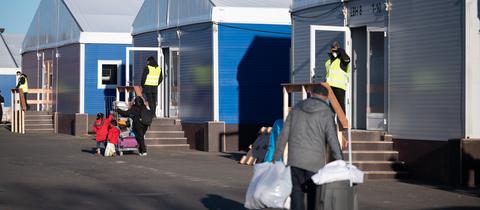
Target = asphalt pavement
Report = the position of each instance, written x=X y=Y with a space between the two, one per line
x=39 y=171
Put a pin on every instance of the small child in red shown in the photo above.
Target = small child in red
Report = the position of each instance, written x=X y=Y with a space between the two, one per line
x=113 y=135
x=100 y=127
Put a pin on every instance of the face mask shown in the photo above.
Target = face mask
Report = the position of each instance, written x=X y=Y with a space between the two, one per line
x=334 y=54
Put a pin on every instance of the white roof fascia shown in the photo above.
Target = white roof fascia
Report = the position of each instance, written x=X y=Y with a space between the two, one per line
x=9 y=71
x=276 y=16
x=105 y=38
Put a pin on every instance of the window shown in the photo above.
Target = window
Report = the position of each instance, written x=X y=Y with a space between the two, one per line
x=108 y=73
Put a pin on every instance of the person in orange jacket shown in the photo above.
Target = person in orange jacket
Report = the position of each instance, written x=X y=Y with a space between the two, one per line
x=100 y=127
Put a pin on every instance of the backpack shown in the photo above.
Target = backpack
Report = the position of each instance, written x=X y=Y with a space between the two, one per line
x=146 y=117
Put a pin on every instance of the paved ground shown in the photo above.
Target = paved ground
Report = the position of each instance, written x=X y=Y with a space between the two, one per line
x=59 y=172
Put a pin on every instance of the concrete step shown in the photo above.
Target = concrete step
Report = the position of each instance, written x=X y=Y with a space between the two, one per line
x=372 y=145
x=176 y=147
x=164 y=134
x=163 y=121
x=40 y=131
x=165 y=128
x=362 y=135
x=385 y=174
x=372 y=155
x=32 y=113
x=380 y=165
x=165 y=141
x=33 y=126
x=38 y=117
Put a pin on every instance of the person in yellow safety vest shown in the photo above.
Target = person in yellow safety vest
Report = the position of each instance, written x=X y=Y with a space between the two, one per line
x=337 y=72
x=151 y=78
x=23 y=84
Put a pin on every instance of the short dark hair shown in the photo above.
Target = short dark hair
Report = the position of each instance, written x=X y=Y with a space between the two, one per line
x=320 y=89
x=335 y=44
x=151 y=61
x=113 y=123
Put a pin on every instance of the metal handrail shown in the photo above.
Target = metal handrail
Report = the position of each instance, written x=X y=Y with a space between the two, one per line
x=136 y=90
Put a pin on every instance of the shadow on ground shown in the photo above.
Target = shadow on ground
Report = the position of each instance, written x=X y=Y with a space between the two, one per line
x=217 y=202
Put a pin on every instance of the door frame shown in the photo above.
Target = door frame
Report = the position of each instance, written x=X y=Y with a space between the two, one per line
x=373 y=115
x=167 y=76
x=348 y=49
x=160 y=58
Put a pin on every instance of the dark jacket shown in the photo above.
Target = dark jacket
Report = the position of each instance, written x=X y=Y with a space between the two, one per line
x=134 y=112
x=146 y=71
x=21 y=80
x=309 y=126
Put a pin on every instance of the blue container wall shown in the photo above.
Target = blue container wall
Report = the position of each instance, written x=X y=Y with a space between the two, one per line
x=7 y=82
x=97 y=100
x=254 y=59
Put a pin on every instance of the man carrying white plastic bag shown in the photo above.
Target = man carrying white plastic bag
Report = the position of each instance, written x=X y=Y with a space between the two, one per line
x=270 y=186
x=309 y=126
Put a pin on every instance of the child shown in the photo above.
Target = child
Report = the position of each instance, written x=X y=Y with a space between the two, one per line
x=113 y=135
x=101 y=129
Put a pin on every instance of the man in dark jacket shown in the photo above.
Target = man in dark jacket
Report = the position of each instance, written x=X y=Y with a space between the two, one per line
x=151 y=78
x=308 y=127
x=138 y=128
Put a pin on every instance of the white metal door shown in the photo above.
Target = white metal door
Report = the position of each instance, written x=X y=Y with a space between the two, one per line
x=161 y=90
x=318 y=56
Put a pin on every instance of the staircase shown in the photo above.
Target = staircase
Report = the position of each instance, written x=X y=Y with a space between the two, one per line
x=374 y=155
x=166 y=133
x=39 y=122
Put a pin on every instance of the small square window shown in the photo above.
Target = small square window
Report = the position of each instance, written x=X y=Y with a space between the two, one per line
x=109 y=74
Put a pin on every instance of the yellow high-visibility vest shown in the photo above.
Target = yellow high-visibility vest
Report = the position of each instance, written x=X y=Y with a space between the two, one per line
x=153 y=76
x=336 y=77
x=24 y=87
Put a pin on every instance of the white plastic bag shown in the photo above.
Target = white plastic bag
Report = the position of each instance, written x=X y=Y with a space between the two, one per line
x=337 y=171
x=270 y=187
x=109 y=150
x=258 y=172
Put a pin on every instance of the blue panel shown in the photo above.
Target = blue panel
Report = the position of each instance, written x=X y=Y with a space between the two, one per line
x=97 y=100
x=254 y=60
x=7 y=82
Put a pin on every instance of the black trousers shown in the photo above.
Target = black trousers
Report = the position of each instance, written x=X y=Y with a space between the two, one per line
x=340 y=95
x=302 y=183
x=26 y=100
x=1 y=113
x=151 y=94
x=140 y=137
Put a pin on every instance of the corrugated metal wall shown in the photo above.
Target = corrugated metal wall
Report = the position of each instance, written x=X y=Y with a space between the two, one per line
x=31 y=68
x=68 y=79
x=196 y=86
x=426 y=69
x=96 y=100
x=7 y=82
x=253 y=61
x=330 y=15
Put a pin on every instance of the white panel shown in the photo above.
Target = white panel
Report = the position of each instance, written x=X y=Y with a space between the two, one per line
x=279 y=16
x=82 y=79
x=216 y=115
x=105 y=38
x=253 y=3
x=8 y=71
x=472 y=73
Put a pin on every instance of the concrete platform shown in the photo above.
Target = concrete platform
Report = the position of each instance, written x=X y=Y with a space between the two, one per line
x=45 y=171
